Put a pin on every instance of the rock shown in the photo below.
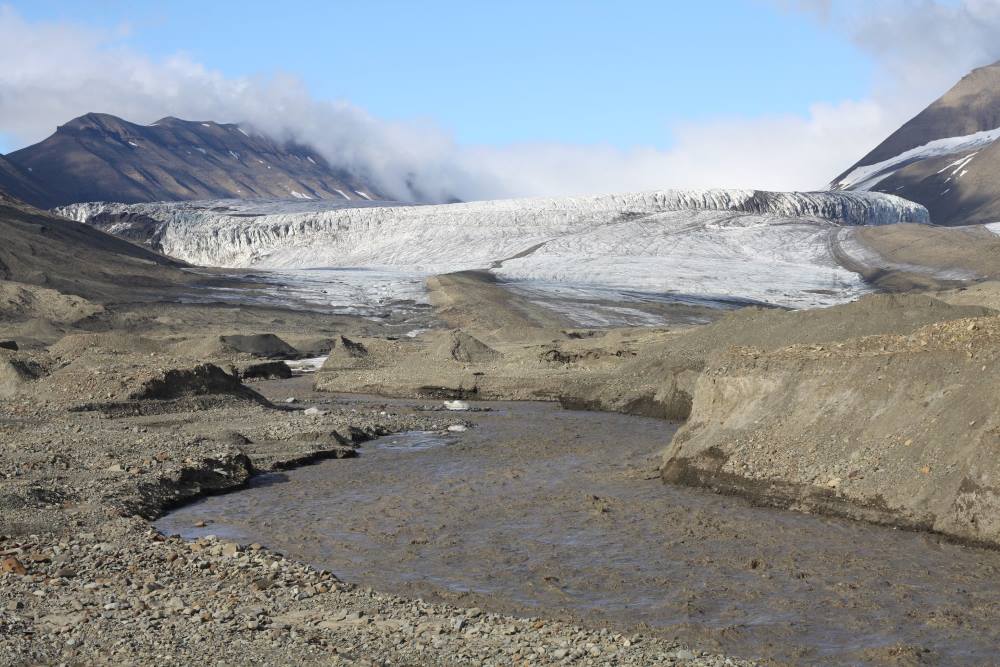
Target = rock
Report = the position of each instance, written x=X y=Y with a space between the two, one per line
x=314 y=412
x=14 y=374
x=13 y=565
x=262 y=583
x=272 y=370
x=268 y=346
x=291 y=399
x=346 y=353
x=458 y=428
x=200 y=524
x=456 y=405
x=469 y=349
x=8 y=345
x=66 y=572
x=202 y=380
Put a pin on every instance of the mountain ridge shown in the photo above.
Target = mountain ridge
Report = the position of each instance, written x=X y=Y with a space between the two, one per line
x=945 y=157
x=101 y=157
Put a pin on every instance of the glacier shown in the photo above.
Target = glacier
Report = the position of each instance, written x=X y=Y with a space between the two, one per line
x=710 y=246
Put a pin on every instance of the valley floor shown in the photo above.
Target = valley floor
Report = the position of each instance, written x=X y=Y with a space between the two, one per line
x=113 y=413
x=118 y=408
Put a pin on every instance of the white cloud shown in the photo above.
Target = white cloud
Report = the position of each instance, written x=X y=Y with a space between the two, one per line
x=50 y=73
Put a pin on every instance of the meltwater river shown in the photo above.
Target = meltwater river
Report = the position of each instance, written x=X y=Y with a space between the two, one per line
x=548 y=512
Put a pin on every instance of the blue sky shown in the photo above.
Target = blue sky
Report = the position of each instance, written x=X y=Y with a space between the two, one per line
x=497 y=73
x=500 y=99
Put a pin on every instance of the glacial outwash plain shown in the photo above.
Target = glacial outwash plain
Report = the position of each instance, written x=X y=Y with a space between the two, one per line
x=254 y=410
x=679 y=427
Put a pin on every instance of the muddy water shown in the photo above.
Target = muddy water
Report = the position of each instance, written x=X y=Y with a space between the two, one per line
x=548 y=512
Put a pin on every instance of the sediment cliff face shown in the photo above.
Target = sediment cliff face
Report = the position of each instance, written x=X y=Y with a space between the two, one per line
x=898 y=429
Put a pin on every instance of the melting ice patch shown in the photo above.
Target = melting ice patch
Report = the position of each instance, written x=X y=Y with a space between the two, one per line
x=310 y=365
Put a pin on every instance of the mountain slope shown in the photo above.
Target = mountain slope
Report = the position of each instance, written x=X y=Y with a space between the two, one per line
x=945 y=158
x=98 y=157
x=18 y=183
x=42 y=249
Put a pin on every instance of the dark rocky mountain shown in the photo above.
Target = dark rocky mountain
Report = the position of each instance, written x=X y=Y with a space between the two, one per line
x=18 y=183
x=98 y=157
x=947 y=157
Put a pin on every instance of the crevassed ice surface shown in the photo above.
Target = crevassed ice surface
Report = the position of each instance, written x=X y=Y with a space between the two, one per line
x=743 y=245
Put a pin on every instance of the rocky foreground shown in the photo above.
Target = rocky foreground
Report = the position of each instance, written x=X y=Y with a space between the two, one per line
x=86 y=580
x=120 y=593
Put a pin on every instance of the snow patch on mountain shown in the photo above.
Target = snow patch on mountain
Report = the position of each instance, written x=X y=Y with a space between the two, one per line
x=867 y=177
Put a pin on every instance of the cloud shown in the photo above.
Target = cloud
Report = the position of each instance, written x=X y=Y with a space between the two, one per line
x=51 y=72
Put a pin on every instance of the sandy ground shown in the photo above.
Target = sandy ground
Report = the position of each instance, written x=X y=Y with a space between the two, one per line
x=909 y=256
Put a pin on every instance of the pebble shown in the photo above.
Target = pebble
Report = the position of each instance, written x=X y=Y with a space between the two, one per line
x=13 y=565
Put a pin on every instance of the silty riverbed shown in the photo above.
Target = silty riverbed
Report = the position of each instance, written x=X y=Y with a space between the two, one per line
x=548 y=512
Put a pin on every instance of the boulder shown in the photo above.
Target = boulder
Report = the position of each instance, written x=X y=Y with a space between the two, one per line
x=270 y=370
x=267 y=346
x=203 y=380
x=14 y=375
x=468 y=349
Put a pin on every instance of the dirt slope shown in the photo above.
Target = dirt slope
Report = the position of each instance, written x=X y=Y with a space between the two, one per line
x=41 y=249
x=901 y=429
